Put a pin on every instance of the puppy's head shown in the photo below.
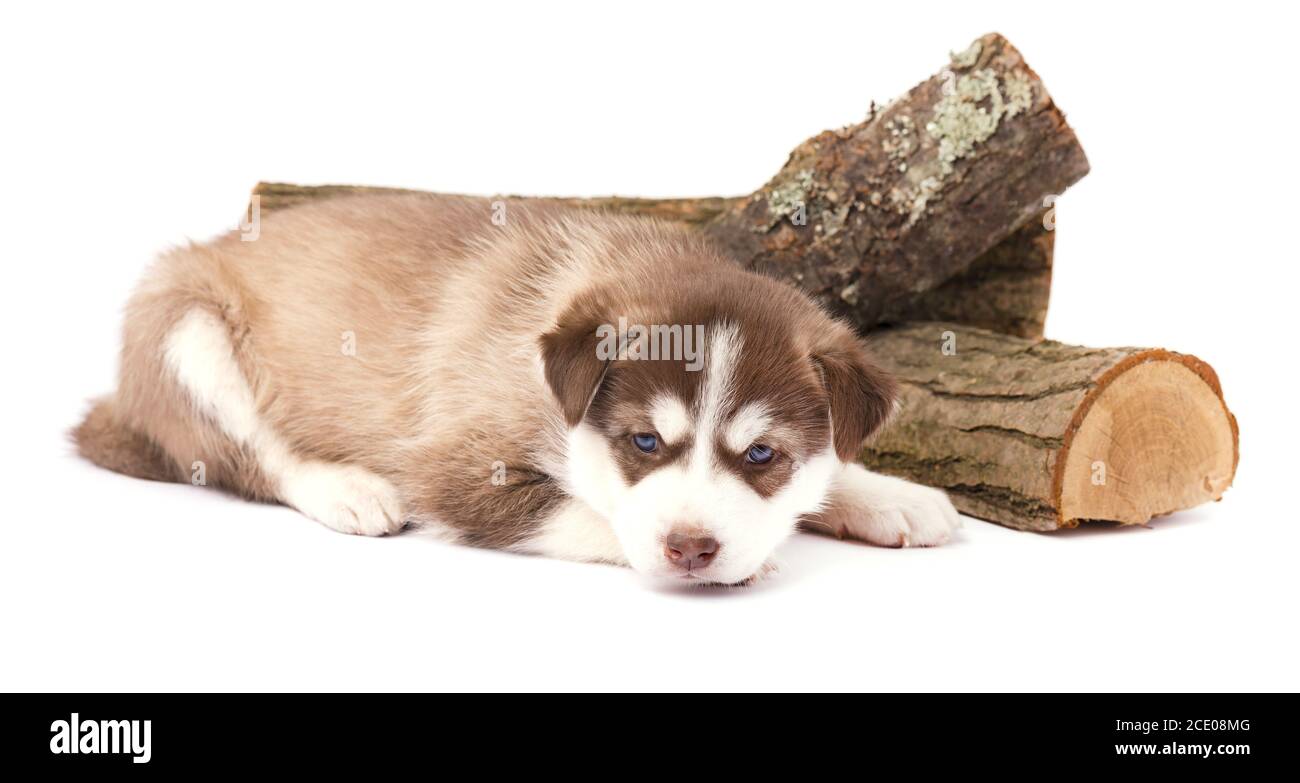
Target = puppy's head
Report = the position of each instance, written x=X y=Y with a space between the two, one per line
x=706 y=420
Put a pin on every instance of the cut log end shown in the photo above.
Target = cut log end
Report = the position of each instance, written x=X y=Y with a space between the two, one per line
x=1040 y=435
x=1153 y=437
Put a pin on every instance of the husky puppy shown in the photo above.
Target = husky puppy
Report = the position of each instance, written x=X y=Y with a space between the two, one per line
x=517 y=375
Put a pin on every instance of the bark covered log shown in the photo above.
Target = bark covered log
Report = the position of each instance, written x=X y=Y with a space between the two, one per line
x=1006 y=290
x=1039 y=435
x=897 y=205
x=274 y=196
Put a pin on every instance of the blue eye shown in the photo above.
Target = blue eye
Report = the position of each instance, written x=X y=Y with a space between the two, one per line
x=646 y=441
x=759 y=454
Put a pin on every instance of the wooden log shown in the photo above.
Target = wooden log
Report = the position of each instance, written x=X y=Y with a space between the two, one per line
x=1039 y=435
x=274 y=196
x=895 y=206
x=1005 y=290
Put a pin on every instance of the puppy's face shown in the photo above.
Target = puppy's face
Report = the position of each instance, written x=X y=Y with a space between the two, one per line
x=704 y=459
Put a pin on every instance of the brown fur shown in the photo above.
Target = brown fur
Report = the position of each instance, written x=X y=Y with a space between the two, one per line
x=107 y=442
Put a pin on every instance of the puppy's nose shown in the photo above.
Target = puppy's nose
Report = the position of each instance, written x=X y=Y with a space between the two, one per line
x=690 y=551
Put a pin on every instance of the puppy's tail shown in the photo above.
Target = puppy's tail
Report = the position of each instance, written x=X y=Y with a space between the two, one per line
x=106 y=441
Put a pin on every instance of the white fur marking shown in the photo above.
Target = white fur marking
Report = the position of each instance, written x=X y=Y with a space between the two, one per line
x=344 y=497
x=576 y=532
x=725 y=345
x=671 y=420
x=590 y=471
x=198 y=350
x=746 y=426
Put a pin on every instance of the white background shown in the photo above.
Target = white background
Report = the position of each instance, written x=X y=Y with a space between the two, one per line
x=123 y=130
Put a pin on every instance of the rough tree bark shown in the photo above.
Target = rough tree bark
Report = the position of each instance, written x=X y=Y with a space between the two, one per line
x=1039 y=435
x=900 y=203
x=1005 y=290
x=273 y=196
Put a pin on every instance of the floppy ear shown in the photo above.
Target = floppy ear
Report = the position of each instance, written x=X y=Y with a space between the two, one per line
x=573 y=365
x=861 y=394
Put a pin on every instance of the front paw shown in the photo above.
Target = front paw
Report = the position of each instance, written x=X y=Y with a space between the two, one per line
x=888 y=511
x=345 y=498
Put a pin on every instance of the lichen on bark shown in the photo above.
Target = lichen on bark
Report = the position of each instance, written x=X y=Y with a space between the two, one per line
x=785 y=199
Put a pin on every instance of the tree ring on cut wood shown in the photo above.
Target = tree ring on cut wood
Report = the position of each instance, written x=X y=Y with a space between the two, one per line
x=1153 y=437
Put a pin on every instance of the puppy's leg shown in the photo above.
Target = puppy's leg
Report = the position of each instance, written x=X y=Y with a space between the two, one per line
x=199 y=353
x=573 y=531
x=886 y=511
